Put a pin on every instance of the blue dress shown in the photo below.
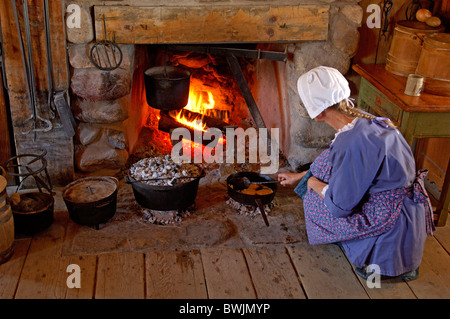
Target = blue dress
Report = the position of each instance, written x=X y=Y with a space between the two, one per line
x=376 y=205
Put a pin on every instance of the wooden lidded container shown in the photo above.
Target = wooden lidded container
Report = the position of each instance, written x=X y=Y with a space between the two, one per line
x=6 y=225
x=406 y=46
x=434 y=64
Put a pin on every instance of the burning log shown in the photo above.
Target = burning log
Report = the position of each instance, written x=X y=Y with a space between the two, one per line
x=167 y=123
x=208 y=121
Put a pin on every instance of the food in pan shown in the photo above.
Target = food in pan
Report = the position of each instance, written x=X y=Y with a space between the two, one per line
x=255 y=189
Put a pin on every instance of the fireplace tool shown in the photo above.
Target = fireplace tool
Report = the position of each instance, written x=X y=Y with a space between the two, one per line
x=35 y=167
x=106 y=55
x=387 y=7
x=59 y=97
x=28 y=67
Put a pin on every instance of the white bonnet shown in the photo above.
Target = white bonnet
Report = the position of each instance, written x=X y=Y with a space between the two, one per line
x=321 y=88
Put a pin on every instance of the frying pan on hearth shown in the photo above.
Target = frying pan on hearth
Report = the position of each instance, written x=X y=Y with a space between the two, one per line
x=252 y=200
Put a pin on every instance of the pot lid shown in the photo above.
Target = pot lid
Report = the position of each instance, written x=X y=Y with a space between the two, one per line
x=417 y=26
x=440 y=40
x=89 y=190
x=167 y=73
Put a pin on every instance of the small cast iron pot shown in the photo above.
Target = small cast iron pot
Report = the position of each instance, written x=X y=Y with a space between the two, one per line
x=95 y=211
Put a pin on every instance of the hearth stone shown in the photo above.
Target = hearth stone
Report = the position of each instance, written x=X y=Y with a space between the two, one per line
x=104 y=111
x=99 y=156
x=79 y=55
x=97 y=85
x=248 y=210
x=85 y=32
x=345 y=37
x=160 y=217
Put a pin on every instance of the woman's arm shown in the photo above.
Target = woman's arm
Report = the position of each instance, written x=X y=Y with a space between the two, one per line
x=290 y=178
x=316 y=185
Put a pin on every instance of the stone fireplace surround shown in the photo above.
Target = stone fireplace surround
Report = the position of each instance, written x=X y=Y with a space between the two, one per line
x=104 y=104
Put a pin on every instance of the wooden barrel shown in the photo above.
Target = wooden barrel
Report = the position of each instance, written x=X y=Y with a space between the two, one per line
x=406 y=46
x=6 y=225
x=434 y=64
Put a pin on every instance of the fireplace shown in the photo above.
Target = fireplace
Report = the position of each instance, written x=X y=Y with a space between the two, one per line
x=114 y=123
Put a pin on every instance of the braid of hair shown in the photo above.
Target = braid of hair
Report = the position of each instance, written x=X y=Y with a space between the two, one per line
x=343 y=107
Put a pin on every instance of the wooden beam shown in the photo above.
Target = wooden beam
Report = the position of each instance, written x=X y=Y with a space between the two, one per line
x=212 y=24
x=252 y=54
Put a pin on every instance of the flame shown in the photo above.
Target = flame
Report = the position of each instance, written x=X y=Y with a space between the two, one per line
x=198 y=104
x=196 y=124
x=199 y=101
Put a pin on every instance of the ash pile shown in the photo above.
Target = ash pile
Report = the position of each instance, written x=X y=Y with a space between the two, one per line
x=163 y=171
x=165 y=217
x=248 y=210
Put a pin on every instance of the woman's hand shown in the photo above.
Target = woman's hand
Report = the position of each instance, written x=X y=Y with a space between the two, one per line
x=290 y=178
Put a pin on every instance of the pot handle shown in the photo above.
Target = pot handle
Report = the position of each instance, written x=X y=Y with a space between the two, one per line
x=261 y=209
x=128 y=180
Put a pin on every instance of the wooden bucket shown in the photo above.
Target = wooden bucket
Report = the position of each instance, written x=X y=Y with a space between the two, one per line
x=434 y=64
x=406 y=46
x=6 y=225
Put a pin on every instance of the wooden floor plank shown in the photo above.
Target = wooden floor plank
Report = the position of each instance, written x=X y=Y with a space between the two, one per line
x=120 y=276
x=442 y=234
x=325 y=272
x=273 y=274
x=88 y=265
x=434 y=272
x=392 y=288
x=175 y=275
x=41 y=277
x=226 y=274
x=10 y=271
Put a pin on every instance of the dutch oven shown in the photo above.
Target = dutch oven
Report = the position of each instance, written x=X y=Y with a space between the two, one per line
x=158 y=197
x=167 y=87
x=252 y=200
x=92 y=200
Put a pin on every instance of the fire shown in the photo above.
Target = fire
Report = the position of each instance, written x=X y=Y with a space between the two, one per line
x=196 y=124
x=199 y=102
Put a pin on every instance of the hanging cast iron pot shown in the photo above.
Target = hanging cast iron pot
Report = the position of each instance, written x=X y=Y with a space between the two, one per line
x=167 y=87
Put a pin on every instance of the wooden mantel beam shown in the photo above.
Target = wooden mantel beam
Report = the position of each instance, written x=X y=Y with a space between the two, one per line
x=212 y=24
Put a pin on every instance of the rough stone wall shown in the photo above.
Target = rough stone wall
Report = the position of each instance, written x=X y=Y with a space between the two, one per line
x=308 y=138
x=100 y=101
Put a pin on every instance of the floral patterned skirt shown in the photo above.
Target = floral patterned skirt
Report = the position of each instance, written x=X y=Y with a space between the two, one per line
x=376 y=216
